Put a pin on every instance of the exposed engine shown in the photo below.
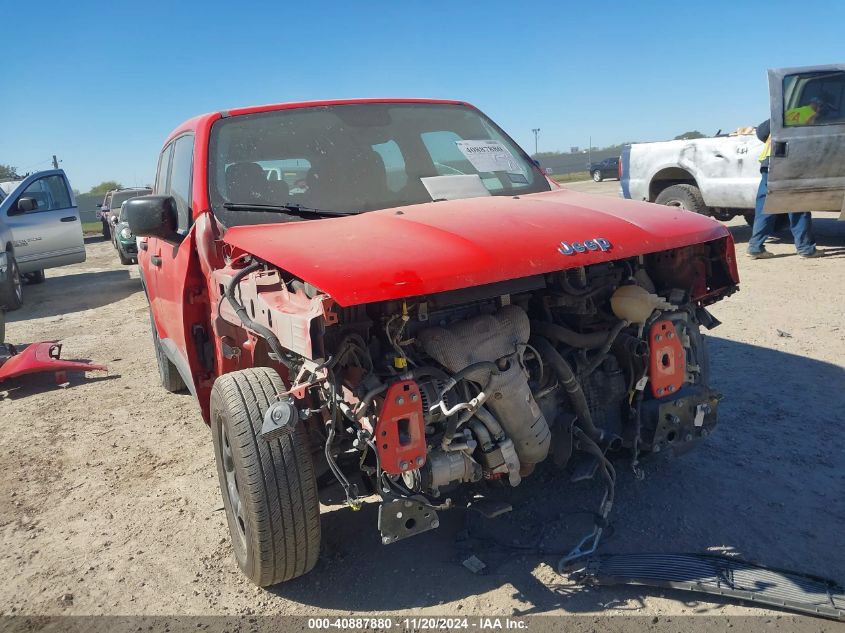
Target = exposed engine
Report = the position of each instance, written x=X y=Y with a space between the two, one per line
x=426 y=394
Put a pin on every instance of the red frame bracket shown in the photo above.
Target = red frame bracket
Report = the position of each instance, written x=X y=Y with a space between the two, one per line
x=667 y=362
x=400 y=430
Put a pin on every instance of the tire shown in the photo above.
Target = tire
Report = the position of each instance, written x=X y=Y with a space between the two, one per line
x=749 y=219
x=11 y=292
x=269 y=488
x=687 y=197
x=106 y=232
x=35 y=278
x=170 y=378
x=597 y=175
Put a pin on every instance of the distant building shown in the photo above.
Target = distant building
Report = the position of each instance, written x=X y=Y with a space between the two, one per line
x=574 y=149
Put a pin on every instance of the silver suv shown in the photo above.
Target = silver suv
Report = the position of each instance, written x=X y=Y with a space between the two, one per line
x=110 y=207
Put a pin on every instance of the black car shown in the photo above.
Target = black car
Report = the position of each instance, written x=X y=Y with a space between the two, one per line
x=608 y=168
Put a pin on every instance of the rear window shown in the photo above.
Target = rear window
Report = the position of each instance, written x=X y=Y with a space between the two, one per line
x=122 y=196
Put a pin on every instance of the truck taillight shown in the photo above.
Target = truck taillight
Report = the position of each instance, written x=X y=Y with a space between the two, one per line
x=619 y=169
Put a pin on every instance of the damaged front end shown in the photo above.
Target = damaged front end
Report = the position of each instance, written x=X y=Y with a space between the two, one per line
x=425 y=394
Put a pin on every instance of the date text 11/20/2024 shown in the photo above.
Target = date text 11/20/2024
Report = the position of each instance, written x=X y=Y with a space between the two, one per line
x=479 y=623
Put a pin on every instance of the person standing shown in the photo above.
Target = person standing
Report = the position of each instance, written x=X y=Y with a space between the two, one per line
x=801 y=223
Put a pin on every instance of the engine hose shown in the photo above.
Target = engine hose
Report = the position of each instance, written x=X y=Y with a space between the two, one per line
x=248 y=323
x=489 y=420
x=608 y=472
x=602 y=353
x=560 y=334
x=484 y=364
x=570 y=383
x=430 y=371
x=368 y=399
x=482 y=434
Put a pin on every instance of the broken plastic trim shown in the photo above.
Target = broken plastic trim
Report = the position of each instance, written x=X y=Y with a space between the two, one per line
x=717 y=575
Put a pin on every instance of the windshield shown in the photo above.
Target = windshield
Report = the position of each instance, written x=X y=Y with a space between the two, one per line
x=362 y=157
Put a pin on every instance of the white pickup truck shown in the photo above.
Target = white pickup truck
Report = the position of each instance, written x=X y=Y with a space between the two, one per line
x=719 y=176
x=715 y=176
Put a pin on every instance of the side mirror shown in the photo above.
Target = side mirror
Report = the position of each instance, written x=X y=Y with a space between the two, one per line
x=152 y=216
x=26 y=205
x=113 y=219
x=99 y=205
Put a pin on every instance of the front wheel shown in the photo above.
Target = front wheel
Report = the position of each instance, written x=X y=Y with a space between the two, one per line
x=597 y=176
x=11 y=291
x=106 y=232
x=269 y=488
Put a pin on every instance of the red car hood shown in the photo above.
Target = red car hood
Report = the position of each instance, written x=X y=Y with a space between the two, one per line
x=439 y=246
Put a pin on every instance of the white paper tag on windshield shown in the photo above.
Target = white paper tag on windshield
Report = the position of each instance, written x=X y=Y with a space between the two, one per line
x=487 y=156
x=454 y=187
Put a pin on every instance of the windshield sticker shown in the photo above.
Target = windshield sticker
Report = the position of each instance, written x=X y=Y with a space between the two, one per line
x=455 y=187
x=488 y=156
x=518 y=179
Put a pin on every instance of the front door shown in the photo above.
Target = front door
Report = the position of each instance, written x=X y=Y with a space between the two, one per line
x=50 y=234
x=167 y=265
x=807 y=164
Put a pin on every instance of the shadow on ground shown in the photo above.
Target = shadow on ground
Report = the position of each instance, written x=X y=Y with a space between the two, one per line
x=766 y=486
x=31 y=384
x=66 y=294
x=829 y=233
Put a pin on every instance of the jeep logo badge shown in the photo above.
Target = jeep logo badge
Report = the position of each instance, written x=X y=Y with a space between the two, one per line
x=595 y=244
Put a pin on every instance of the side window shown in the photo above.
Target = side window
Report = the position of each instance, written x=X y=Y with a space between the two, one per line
x=163 y=172
x=50 y=194
x=180 y=179
x=814 y=98
x=394 y=164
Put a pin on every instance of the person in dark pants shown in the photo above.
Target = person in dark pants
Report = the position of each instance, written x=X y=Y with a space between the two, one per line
x=801 y=224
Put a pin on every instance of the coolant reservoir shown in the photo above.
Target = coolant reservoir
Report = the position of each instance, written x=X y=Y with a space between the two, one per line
x=635 y=304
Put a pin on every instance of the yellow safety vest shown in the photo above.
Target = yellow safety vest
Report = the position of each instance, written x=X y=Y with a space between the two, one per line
x=794 y=116
x=767 y=150
x=799 y=116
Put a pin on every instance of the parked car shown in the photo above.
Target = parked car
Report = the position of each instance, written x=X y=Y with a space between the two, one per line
x=422 y=329
x=124 y=240
x=607 y=168
x=110 y=205
x=39 y=229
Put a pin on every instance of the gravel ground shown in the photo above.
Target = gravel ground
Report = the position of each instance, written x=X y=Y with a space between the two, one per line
x=109 y=501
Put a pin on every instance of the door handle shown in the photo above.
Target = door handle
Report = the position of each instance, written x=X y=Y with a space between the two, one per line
x=779 y=149
x=70 y=218
x=142 y=243
x=155 y=260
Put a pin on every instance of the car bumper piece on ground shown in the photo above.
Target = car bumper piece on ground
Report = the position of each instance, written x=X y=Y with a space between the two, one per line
x=40 y=357
x=717 y=575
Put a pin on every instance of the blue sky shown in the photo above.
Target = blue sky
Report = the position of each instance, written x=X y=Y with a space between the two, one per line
x=101 y=84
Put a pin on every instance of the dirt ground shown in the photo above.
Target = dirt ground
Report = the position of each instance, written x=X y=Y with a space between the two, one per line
x=109 y=501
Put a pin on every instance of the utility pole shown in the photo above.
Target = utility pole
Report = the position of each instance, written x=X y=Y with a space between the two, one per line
x=55 y=162
x=536 y=131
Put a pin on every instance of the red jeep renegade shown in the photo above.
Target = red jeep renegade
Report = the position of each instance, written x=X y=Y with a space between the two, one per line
x=392 y=294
